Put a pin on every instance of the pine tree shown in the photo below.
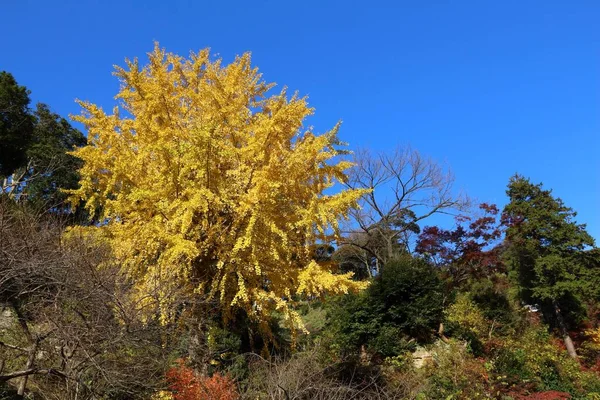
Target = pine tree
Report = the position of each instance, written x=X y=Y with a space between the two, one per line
x=547 y=251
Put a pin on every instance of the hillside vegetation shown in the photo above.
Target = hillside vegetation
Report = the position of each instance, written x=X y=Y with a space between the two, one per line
x=202 y=242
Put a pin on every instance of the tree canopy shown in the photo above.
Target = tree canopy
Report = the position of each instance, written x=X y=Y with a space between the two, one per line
x=207 y=184
x=51 y=167
x=34 y=160
x=404 y=189
x=547 y=243
x=16 y=124
x=547 y=250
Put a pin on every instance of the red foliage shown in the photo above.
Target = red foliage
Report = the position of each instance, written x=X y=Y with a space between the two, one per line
x=549 y=395
x=187 y=385
x=467 y=250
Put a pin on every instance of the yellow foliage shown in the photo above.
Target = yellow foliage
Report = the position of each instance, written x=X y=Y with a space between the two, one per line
x=207 y=184
x=591 y=345
x=593 y=336
x=466 y=315
x=162 y=395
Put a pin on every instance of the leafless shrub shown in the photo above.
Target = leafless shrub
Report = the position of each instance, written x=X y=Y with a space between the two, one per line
x=73 y=333
x=306 y=377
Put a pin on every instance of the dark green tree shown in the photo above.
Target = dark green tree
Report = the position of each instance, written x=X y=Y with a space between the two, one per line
x=404 y=301
x=16 y=125
x=548 y=254
x=34 y=162
x=51 y=167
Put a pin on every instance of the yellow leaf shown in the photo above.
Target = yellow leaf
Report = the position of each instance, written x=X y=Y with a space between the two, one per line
x=208 y=185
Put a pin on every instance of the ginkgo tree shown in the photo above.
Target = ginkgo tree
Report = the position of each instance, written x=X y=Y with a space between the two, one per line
x=202 y=181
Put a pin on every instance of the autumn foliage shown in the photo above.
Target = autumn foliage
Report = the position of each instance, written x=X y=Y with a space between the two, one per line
x=207 y=185
x=185 y=384
x=216 y=219
x=467 y=250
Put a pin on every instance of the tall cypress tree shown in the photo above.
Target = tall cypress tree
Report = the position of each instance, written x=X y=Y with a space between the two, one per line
x=547 y=253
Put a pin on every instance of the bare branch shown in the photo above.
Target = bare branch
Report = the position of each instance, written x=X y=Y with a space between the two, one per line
x=406 y=188
x=13 y=347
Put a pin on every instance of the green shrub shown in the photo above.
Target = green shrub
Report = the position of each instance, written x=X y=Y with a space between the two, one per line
x=512 y=363
x=535 y=357
x=466 y=321
x=409 y=293
x=390 y=342
x=494 y=299
x=455 y=374
x=405 y=301
x=352 y=321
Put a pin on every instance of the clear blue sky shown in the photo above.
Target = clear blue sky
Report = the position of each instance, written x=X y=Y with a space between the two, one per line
x=490 y=87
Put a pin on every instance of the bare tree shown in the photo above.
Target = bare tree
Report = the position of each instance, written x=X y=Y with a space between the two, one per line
x=73 y=331
x=406 y=188
x=353 y=255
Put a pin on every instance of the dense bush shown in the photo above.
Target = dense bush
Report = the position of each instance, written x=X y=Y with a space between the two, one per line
x=410 y=295
x=535 y=361
x=455 y=374
x=7 y=392
x=495 y=300
x=404 y=301
x=308 y=375
x=466 y=321
x=71 y=326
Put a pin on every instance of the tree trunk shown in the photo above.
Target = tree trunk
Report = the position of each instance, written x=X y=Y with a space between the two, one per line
x=198 y=351
x=33 y=346
x=441 y=333
x=564 y=332
x=390 y=250
x=28 y=365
